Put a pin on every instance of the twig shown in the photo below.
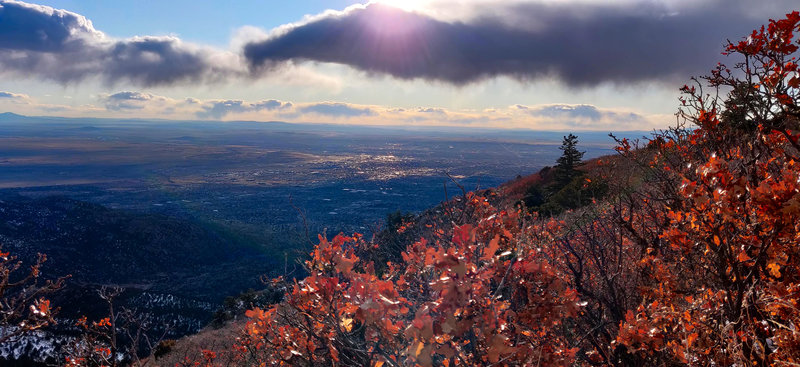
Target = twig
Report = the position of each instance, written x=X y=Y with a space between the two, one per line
x=304 y=219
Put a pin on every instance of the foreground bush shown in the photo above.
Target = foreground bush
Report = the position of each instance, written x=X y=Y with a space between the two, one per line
x=479 y=297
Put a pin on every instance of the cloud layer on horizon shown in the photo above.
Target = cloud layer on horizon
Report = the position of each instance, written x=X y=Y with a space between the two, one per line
x=220 y=109
x=582 y=115
x=542 y=117
x=336 y=109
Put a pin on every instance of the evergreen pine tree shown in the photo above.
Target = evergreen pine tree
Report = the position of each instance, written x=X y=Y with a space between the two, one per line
x=568 y=162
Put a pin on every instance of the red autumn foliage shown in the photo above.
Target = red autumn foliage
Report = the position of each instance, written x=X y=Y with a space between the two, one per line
x=725 y=269
x=476 y=296
x=692 y=260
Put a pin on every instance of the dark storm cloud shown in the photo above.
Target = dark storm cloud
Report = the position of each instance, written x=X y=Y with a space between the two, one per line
x=152 y=60
x=579 y=43
x=337 y=110
x=219 y=109
x=59 y=45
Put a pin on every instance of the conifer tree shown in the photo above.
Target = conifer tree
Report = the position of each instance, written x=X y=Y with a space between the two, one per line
x=570 y=159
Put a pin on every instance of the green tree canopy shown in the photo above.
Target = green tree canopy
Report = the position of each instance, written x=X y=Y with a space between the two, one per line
x=570 y=159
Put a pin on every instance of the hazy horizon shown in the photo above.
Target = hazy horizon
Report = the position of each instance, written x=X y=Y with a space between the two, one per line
x=571 y=65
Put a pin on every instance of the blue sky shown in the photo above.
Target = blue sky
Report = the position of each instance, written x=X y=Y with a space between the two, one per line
x=196 y=21
x=533 y=64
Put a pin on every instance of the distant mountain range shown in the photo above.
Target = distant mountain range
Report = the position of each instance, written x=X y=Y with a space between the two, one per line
x=587 y=137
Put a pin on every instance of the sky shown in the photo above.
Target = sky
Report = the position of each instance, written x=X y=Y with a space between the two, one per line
x=531 y=64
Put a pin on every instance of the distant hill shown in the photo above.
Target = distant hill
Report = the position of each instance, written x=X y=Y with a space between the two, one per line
x=11 y=117
x=97 y=245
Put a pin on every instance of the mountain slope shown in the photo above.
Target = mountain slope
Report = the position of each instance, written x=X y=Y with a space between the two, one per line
x=174 y=272
x=97 y=245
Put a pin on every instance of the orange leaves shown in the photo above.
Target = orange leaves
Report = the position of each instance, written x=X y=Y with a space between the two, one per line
x=208 y=355
x=41 y=309
x=719 y=274
x=463 y=235
x=106 y=352
x=638 y=333
x=708 y=119
x=455 y=298
x=784 y=99
x=624 y=146
x=104 y=322
x=691 y=339
x=255 y=313
x=420 y=353
x=774 y=270
x=491 y=249
x=337 y=255
x=777 y=38
x=743 y=257
x=346 y=323
x=345 y=264
x=82 y=322
x=498 y=348
x=794 y=82
x=341 y=296
x=730 y=217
